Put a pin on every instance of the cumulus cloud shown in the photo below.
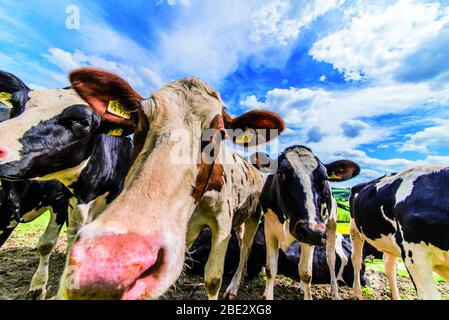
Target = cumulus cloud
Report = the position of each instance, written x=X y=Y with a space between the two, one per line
x=339 y=115
x=212 y=38
x=141 y=78
x=353 y=128
x=376 y=39
x=430 y=138
x=280 y=21
x=429 y=62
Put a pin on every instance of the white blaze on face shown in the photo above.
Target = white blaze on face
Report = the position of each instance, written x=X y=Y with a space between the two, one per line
x=43 y=105
x=304 y=164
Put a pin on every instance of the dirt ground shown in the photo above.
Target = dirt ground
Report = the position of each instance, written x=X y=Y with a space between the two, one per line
x=18 y=261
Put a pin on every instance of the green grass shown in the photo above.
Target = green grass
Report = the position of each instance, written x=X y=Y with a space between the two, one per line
x=37 y=226
x=342 y=198
x=368 y=292
x=377 y=264
x=343 y=228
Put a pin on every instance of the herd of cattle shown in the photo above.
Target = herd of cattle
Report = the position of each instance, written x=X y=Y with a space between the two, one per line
x=97 y=156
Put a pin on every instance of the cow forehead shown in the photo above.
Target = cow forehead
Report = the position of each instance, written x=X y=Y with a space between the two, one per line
x=53 y=99
x=47 y=104
x=302 y=160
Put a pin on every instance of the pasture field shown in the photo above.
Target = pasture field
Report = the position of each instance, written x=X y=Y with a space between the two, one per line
x=18 y=261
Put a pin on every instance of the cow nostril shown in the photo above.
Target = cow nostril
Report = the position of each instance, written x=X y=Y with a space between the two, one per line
x=3 y=154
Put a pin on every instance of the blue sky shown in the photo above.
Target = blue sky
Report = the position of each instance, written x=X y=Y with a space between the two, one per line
x=363 y=80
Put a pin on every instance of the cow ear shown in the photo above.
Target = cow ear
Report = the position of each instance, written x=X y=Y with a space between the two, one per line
x=254 y=127
x=10 y=83
x=264 y=163
x=108 y=94
x=342 y=170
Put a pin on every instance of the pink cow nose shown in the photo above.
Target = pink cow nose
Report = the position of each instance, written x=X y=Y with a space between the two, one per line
x=3 y=154
x=112 y=267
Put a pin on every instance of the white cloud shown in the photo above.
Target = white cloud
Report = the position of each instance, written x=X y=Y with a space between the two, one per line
x=282 y=20
x=376 y=39
x=338 y=113
x=211 y=38
x=429 y=138
x=142 y=78
x=438 y=159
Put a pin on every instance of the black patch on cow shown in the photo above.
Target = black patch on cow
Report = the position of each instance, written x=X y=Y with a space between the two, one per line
x=11 y=83
x=366 y=208
x=56 y=144
x=106 y=171
x=287 y=264
x=19 y=198
x=424 y=215
x=22 y=197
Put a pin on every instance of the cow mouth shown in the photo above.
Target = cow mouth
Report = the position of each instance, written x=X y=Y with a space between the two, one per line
x=139 y=288
x=144 y=283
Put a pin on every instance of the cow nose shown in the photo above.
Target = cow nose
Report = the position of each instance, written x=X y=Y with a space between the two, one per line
x=3 y=154
x=111 y=266
x=310 y=233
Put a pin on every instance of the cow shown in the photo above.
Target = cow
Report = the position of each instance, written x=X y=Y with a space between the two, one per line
x=299 y=205
x=61 y=138
x=287 y=263
x=405 y=215
x=135 y=248
x=24 y=201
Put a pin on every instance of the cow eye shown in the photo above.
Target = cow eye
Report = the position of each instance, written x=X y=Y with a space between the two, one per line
x=83 y=122
x=73 y=123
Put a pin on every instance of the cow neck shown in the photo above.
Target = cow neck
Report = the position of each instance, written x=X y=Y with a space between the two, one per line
x=140 y=135
x=106 y=170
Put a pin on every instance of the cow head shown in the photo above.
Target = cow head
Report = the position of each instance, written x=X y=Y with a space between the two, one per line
x=300 y=191
x=55 y=136
x=136 y=247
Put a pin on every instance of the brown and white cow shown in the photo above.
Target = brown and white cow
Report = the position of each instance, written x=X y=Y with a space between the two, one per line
x=135 y=249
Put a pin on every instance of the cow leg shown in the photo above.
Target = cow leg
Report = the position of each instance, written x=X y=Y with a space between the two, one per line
x=245 y=242
x=213 y=272
x=271 y=268
x=77 y=217
x=357 y=257
x=421 y=270
x=390 y=263
x=305 y=269
x=330 y=256
x=38 y=287
x=6 y=233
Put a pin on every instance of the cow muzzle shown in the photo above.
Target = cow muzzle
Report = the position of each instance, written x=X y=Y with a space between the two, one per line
x=310 y=233
x=113 y=266
x=3 y=154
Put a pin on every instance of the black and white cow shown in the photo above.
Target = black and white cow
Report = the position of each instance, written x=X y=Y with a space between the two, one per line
x=61 y=137
x=299 y=205
x=24 y=201
x=288 y=261
x=405 y=215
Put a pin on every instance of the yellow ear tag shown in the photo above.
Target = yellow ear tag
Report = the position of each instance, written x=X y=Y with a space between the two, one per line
x=333 y=176
x=115 y=107
x=5 y=98
x=245 y=138
x=117 y=132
